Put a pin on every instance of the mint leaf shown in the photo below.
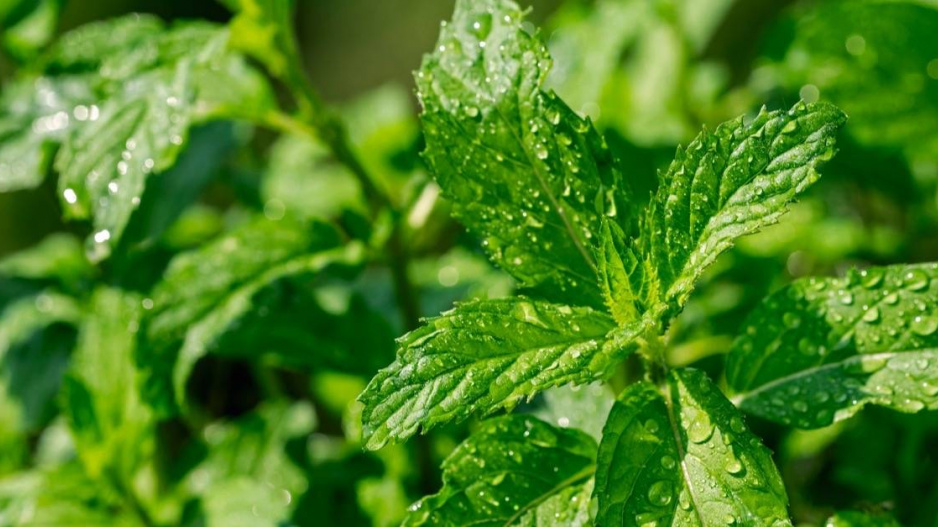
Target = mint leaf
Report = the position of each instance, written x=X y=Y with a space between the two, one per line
x=729 y=183
x=36 y=114
x=583 y=407
x=28 y=25
x=85 y=48
x=483 y=356
x=57 y=258
x=261 y=29
x=487 y=480
x=820 y=349
x=622 y=275
x=103 y=171
x=205 y=292
x=683 y=456
x=111 y=423
x=33 y=357
x=523 y=171
x=248 y=477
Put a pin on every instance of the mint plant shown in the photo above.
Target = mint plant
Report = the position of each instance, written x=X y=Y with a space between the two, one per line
x=638 y=315
x=603 y=277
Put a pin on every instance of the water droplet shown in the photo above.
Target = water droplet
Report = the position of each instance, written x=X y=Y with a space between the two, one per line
x=102 y=236
x=871 y=316
x=70 y=196
x=660 y=493
x=915 y=280
x=791 y=320
x=924 y=325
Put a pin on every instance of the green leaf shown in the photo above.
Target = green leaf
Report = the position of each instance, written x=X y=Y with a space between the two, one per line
x=488 y=479
x=860 y=519
x=58 y=257
x=588 y=44
x=103 y=171
x=682 y=456
x=85 y=48
x=206 y=291
x=28 y=25
x=820 y=349
x=584 y=407
x=483 y=356
x=35 y=114
x=59 y=496
x=523 y=171
x=248 y=465
x=301 y=179
x=729 y=183
x=33 y=357
x=111 y=423
x=262 y=29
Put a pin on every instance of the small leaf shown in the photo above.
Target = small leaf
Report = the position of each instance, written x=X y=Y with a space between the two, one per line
x=729 y=183
x=483 y=356
x=262 y=29
x=820 y=349
x=683 y=457
x=206 y=291
x=487 y=480
x=523 y=171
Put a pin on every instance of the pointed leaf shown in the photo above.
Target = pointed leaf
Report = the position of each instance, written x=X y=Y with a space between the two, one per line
x=483 y=356
x=524 y=172
x=488 y=479
x=729 y=183
x=685 y=458
x=820 y=349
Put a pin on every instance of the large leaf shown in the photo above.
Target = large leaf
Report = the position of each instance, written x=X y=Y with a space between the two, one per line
x=820 y=349
x=728 y=183
x=514 y=471
x=111 y=423
x=483 y=356
x=207 y=291
x=682 y=456
x=524 y=172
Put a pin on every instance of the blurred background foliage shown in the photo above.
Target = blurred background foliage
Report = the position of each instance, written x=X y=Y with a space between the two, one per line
x=270 y=435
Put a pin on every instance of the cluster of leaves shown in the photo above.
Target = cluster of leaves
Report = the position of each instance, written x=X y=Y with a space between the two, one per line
x=196 y=349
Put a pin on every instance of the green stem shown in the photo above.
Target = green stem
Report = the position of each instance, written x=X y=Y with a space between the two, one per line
x=314 y=119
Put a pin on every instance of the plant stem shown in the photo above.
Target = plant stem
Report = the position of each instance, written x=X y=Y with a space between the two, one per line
x=314 y=119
